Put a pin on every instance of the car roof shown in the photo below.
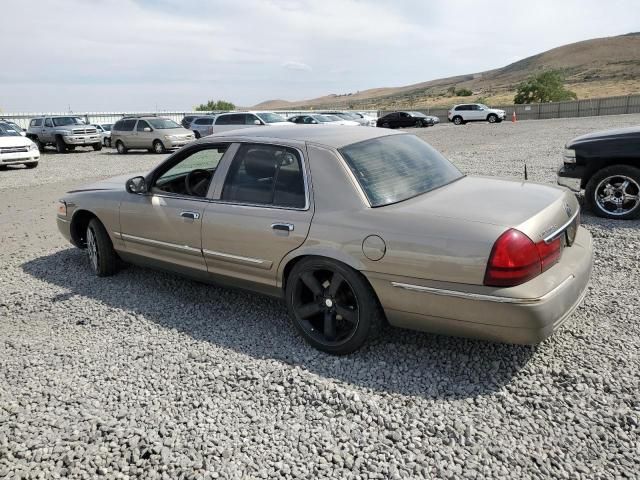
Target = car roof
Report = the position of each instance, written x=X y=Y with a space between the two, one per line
x=328 y=135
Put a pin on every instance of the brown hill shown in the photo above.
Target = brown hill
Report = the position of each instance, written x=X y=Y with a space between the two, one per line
x=593 y=68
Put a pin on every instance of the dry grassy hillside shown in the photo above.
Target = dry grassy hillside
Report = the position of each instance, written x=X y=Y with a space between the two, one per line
x=599 y=67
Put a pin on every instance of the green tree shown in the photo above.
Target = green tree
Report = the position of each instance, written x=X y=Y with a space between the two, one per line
x=464 y=92
x=211 y=105
x=544 y=87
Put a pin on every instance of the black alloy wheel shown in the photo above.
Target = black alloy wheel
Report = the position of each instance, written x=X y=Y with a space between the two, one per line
x=332 y=306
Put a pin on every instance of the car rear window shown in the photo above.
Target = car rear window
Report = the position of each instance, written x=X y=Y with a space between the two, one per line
x=397 y=167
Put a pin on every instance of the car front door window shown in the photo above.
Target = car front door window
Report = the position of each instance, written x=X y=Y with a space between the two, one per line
x=192 y=175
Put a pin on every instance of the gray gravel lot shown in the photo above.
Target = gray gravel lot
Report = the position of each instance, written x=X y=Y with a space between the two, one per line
x=147 y=375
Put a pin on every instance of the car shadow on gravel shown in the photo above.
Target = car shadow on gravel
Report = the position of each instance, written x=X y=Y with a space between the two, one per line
x=402 y=362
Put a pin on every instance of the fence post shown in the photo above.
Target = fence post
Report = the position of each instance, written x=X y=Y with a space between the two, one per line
x=538 y=111
x=626 y=110
x=598 y=110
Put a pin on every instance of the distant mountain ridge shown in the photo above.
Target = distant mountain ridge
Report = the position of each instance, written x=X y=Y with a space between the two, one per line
x=598 y=67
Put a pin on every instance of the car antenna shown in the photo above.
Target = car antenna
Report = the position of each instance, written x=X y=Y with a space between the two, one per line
x=526 y=177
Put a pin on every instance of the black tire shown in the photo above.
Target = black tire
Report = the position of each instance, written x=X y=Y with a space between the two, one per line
x=492 y=118
x=318 y=291
x=197 y=134
x=97 y=147
x=103 y=259
x=457 y=120
x=31 y=165
x=38 y=143
x=121 y=148
x=158 y=147
x=71 y=148
x=61 y=147
x=610 y=183
x=386 y=125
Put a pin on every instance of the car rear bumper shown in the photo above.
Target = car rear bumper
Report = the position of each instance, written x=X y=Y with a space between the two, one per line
x=18 y=158
x=508 y=315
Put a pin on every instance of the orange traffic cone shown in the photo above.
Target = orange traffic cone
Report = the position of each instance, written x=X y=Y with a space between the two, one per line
x=514 y=119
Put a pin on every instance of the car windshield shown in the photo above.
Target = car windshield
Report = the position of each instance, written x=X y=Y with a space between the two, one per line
x=163 y=123
x=62 y=121
x=7 y=130
x=417 y=114
x=268 y=117
x=322 y=118
x=397 y=167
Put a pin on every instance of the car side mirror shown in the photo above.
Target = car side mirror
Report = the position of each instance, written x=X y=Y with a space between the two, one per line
x=257 y=122
x=147 y=129
x=136 y=185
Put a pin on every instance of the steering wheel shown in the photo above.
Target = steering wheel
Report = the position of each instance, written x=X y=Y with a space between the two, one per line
x=195 y=186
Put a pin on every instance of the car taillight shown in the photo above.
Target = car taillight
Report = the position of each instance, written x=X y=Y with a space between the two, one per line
x=515 y=258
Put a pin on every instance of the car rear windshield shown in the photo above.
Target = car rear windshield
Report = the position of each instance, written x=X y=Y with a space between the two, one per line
x=397 y=167
x=62 y=121
x=162 y=123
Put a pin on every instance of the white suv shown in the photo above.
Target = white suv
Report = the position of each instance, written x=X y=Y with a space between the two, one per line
x=475 y=112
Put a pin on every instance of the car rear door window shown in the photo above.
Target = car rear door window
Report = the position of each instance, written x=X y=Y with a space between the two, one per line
x=232 y=119
x=127 y=125
x=48 y=122
x=268 y=175
x=37 y=122
x=204 y=121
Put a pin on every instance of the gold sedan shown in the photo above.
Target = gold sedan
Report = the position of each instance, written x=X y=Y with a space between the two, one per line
x=353 y=227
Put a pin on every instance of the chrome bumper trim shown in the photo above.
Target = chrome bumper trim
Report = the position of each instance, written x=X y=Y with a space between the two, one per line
x=557 y=232
x=482 y=297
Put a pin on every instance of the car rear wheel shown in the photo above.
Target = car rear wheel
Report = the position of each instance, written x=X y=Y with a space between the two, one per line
x=102 y=257
x=158 y=147
x=332 y=306
x=386 y=125
x=61 y=147
x=120 y=147
x=457 y=120
x=97 y=147
x=614 y=192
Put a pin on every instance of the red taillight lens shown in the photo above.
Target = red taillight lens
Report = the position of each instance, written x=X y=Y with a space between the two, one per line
x=515 y=259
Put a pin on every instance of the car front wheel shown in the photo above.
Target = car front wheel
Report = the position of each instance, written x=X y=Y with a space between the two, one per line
x=102 y=257
x=492 y=118
x=61 y=147
x=614 y=192
x=332 y=306
x=97 y=147
x=158 y=147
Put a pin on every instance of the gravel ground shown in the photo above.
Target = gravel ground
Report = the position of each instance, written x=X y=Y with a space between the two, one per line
x=147 y=375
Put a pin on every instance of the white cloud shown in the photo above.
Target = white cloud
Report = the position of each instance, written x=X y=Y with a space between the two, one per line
x=126 y=54
x=291 y=65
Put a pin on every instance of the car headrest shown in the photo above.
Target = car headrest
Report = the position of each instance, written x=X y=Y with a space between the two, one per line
x=260 y=164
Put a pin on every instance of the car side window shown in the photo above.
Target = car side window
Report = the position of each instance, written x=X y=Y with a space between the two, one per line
x=404 y=115
x=268 y=175
x=250 y=119
x=201 y=165
x=142 y=124
x=36 y=122
x=233 y=119
x=127 y=125
x=48 y=122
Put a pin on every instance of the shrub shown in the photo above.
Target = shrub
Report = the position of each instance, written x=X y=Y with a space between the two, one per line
x=544 y=87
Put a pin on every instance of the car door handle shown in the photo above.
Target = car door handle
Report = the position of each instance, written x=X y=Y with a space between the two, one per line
x=191 y=215
x=285 y=227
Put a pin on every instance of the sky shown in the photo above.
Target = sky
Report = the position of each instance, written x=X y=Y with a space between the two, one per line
x=128 y=55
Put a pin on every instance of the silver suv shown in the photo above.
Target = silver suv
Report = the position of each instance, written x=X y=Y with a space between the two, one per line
x=234 y=121
x=65 y=132
x=475 y=112
x=149 y=132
